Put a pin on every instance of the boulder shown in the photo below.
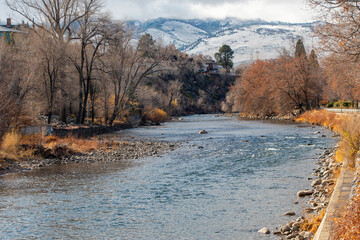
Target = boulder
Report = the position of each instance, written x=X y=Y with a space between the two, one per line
x=203 y=132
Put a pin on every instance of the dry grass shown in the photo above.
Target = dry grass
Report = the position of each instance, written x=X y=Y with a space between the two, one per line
x=322 y=118
x=15 y=146
x=347 y=125
x=312 y=223
x=348 y=227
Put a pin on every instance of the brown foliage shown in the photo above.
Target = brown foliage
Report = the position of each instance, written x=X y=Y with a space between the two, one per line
x=277 y=87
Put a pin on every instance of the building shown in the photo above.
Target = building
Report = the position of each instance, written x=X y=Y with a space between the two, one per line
x=8 y=31
x=211 y=67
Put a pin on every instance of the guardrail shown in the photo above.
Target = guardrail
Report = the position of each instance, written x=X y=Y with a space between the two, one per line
x=343 y=110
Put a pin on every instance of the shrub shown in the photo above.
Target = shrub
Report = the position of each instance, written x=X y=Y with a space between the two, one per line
x=312 y=223
x=156 y=115
x=10 y=142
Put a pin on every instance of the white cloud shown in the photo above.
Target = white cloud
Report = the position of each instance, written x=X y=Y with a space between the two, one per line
x=273 y=10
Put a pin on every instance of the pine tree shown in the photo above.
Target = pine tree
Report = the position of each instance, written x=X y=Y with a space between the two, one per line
x=313 y=59
x=224 y=57
x=300 y=49
x=147 y=45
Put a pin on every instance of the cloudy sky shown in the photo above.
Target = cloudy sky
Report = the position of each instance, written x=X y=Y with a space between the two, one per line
x=272 y=10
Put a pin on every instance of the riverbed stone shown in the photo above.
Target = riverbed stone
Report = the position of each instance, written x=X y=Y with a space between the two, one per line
x=289 y=214
x=316 y=182
x=203 y=132
x=285 y=228
x=264 y=231
x=304 y=193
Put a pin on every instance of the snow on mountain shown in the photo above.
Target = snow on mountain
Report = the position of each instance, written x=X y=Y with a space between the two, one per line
x=250 y=39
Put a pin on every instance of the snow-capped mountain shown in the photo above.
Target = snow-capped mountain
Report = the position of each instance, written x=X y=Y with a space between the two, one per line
x=250 y=39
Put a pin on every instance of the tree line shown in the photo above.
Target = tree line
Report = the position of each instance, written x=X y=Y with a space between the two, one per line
x=296 y=82
x=286 y=85
x=76 y=64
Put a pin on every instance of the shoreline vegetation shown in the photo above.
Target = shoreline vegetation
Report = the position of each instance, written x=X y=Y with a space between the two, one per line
x=25 y=152
x=346 y=156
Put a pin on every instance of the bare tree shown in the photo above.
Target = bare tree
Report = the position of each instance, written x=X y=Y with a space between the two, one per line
x=17 y=77
x=57 y=18
x=90 y=35
x=127 y=67
x=339 y=27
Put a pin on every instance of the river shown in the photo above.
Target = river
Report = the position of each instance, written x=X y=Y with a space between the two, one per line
x=227 y=184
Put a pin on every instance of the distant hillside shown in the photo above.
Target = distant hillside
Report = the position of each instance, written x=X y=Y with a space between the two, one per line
x=250 y=39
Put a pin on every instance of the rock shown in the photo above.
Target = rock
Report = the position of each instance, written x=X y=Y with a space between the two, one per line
x=264 y=231
x=317 y=132
x=291 y=236
x=285 y=228
x=309 y=210
x=316 y=182
x=306 y=234
x=200 y=147
x=203 y=132
x=304 y=193
x=289 y=214
x=296 y=227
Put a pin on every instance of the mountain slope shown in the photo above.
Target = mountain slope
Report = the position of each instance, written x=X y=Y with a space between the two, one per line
x=250 y=39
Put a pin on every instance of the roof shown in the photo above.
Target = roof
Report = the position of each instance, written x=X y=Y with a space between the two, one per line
x=4 y=29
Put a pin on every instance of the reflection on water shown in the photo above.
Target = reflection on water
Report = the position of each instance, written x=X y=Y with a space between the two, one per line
x=244 y=178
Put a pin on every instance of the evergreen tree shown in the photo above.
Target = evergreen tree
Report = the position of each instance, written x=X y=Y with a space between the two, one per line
x=300 y=49
x=313 y=59
x=147 y=45
x=224 y=57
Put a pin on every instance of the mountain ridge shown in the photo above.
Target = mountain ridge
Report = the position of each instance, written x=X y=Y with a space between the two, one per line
x=250 y=38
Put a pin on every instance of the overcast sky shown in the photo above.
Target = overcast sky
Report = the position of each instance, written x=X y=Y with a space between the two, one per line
x=271 y=10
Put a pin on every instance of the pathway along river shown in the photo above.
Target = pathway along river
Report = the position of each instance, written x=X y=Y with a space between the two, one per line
x=243 y=179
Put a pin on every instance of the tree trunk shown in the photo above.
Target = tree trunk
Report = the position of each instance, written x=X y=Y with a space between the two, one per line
x=63 y=114
x=49 y=117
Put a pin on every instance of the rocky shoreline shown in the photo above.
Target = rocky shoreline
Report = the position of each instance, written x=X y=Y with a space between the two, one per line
x=124 y=150
x=317 y=198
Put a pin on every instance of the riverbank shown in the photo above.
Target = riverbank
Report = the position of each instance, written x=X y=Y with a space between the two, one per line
x=341 y=219
x=314 y=200
x=119 y=151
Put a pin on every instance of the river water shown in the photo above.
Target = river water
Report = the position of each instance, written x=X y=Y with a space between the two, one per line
x=243 y=179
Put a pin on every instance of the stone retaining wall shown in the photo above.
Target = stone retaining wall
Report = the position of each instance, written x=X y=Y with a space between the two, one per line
x=338 y=201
